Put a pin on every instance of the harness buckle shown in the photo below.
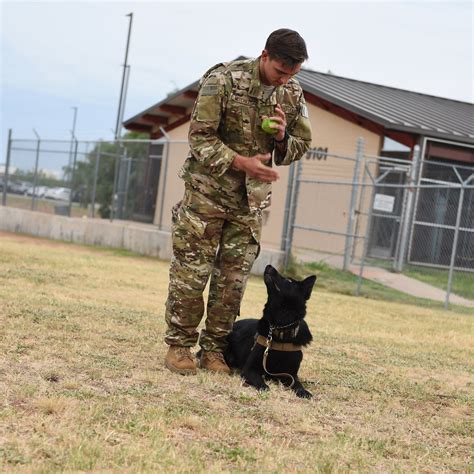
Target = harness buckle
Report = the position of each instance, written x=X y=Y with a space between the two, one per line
x=269 y=340
x=269 y=343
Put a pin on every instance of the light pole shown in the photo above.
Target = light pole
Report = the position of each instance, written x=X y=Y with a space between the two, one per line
x=126 y=67
x=73 y=131
x=73 y=137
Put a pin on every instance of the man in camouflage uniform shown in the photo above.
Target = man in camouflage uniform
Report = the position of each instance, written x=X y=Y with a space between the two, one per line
x=217 y=226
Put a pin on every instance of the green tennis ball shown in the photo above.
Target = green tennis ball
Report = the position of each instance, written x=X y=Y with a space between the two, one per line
x=266 y=126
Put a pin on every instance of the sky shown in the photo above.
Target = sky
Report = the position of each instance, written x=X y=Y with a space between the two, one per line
x=59 y=54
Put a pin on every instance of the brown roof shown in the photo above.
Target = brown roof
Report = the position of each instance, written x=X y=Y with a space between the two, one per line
x=388 y=109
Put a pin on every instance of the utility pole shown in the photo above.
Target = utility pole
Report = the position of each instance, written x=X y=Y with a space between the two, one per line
x=73 y=137
x=121 y=106
x=73 y=131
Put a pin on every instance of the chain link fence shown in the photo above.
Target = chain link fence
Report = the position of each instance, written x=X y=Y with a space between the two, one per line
x=444 y=217
x=403 y=215
x=353 y=212
x=104 y=179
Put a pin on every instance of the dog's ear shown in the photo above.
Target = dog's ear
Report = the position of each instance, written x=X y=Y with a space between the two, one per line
x=306 y=286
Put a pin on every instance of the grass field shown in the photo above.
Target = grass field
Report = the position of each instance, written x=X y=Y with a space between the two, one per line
x=345 y=283
x=83 y=386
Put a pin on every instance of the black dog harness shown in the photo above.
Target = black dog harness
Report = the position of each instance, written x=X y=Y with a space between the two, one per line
x=278 y=346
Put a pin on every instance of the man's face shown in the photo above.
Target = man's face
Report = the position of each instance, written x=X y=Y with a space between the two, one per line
x=273 y=72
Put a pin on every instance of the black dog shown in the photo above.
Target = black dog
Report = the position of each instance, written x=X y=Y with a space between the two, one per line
x=272 y=345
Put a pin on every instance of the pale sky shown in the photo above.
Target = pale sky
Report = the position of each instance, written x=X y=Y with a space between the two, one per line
x=56 y=55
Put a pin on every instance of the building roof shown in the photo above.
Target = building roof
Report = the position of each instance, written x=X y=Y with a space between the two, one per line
x=388 y=108
x=395 y=109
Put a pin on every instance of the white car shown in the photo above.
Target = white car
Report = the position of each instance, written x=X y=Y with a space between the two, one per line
x=21 y=187
x=40 y=191
x=60 y=194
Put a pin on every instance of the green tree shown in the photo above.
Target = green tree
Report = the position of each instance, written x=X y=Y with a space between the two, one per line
x=109 y=153
x=42 y=178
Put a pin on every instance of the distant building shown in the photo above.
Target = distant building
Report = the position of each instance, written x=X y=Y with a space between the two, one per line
x=11 y=170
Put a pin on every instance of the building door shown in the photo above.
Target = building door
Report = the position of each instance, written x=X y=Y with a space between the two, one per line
x=437 y=208
x=387 y=213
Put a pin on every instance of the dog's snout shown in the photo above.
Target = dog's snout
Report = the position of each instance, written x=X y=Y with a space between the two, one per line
x=269 y=270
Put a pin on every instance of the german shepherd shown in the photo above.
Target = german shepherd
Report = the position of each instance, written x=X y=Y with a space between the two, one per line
x=271 y=347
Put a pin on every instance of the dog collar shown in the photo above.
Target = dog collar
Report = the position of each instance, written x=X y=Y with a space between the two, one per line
x=281 y=331
x=278 y=346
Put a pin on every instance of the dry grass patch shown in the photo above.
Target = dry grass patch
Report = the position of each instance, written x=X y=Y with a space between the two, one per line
x=83 y=386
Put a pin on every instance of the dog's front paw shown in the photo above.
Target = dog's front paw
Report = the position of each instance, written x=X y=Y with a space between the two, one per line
x=263 y=387
x=260 y=386
x=302 y=393
x=255 y=380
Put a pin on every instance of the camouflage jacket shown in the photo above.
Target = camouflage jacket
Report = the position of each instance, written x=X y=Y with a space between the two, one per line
x=226 y=120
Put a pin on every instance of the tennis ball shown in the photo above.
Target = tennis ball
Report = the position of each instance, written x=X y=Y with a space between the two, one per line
x=266 y=126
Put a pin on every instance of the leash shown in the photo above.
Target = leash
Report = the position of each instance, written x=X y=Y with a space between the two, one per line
x=268 y=343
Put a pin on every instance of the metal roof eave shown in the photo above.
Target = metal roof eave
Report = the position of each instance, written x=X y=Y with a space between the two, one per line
x=431 y=133
x=394 y=124
x=167 y=99
x=386 y=123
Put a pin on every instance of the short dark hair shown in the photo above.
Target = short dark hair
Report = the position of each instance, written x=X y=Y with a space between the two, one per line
x=286 y=46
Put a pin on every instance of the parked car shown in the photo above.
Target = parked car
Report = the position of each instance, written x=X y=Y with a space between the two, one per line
x=19 y=187
x=59 y=194
x=40 y=191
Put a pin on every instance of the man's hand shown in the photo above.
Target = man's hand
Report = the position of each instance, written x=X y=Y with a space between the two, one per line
x=255 y=168
x=280 y=118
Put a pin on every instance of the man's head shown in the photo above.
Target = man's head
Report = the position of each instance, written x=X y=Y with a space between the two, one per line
x=285 y=51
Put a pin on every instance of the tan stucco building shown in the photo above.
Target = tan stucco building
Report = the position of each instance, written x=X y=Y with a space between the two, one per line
x=341 y=110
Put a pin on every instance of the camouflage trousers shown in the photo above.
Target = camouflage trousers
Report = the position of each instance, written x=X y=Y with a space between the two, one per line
x=209 y=240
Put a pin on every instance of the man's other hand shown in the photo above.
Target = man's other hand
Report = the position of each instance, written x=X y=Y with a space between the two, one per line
x=254 y=166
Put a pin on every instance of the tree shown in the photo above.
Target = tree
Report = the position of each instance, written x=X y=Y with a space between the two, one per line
x=109 y=152
x=42 y=178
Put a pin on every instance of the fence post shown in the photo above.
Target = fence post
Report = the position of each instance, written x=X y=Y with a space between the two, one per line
x=359 y=213
x=72 y=179
x=289 y=196
x=96 y=177
x=407 y=215
x=35 y=176
x=455 y=245
x=350 y=218
x=292 y=217
x=125 y=169
x=165 y=172
x=366 y=240
x=120 y=181
x=118 y=147
x=127 y=184
x=7 y=167
x=418 y=179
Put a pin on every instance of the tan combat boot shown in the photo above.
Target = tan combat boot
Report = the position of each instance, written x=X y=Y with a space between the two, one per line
x=213 y=361
x=179 y=359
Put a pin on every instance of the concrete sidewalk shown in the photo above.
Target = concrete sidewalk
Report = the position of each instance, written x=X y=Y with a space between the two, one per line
x=397 y=281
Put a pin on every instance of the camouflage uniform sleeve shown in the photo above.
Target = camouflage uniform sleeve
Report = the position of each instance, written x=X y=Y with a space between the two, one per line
x=299 y=140
x=205 y=143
